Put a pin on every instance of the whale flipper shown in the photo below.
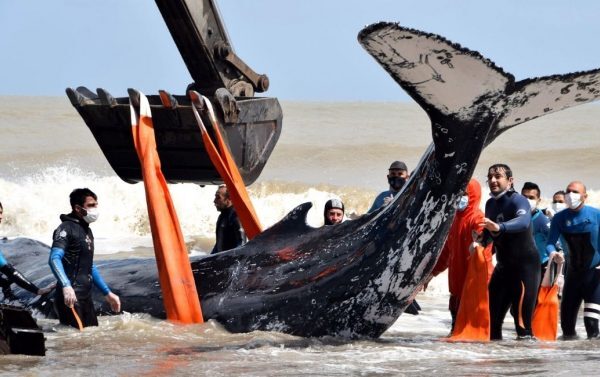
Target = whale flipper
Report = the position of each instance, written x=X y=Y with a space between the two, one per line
x=434 y=71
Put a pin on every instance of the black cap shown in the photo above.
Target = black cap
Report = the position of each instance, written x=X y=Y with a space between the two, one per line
x=398 y=165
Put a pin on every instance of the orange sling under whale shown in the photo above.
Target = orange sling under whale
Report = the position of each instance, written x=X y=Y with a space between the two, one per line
x=176 y=279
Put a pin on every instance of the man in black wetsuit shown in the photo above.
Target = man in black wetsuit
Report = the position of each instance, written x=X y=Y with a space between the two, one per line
x=516 y=277
x=229 y=231
x=72 y=262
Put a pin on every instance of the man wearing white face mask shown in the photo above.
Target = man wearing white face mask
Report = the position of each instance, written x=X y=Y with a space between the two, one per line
x=539 y=221
x=558 y=204
x=579 y=226
x=72 y=262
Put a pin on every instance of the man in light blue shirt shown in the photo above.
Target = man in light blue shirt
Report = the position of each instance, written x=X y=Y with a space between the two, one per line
x=397 y=177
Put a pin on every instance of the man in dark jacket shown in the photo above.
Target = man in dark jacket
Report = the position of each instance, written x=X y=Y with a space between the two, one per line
x=229 y=232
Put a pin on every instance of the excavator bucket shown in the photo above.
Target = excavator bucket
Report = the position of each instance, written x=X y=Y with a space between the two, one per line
x=251 y=138
x=250 y=125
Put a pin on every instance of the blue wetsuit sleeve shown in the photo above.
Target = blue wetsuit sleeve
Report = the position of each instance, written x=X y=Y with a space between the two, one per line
x=541 y=229
x=3 y=261
x=56 y=265
x=98 y=281
x=522 y=218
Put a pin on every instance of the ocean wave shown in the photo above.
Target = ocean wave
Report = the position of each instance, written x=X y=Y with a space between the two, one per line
x=32 y=204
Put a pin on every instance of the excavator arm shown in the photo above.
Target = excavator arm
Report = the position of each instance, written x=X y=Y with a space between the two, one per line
x=251 y=125
x=197 y=26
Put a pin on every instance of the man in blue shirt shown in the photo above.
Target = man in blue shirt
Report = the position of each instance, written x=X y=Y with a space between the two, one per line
x=579 y=226
x=397 y=177
x=539 y=221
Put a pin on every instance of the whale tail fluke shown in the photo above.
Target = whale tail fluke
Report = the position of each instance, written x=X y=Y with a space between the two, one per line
x=448 y=80
x=435 y=72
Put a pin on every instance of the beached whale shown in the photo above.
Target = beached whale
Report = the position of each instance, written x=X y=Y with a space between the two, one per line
x=355 y=279
x=135 y=279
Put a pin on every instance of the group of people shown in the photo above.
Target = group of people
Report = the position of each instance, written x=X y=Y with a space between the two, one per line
x=526 y=240
x=72 y=263
x=230 y=234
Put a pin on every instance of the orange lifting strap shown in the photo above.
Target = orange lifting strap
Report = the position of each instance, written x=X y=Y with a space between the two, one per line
x=473 y=317
x=174 y=270
x=77 y=319
x=226 y=166
x=545 y=317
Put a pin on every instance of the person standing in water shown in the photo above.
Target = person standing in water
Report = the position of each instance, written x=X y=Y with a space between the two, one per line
x=229 y=232
x=516 y=277
x=539 y=221
x=14 y=276
x=397 y=176
x=579 y=226
x=72 y=263
x=558 y=204
x=455 y=253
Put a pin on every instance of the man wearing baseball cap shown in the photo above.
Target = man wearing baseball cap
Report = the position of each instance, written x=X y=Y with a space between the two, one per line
x=397 y=176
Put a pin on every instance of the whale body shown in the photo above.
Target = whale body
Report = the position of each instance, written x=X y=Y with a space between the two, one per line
x=355 y=279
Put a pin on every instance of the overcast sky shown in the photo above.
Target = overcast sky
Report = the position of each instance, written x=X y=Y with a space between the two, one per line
x=308 y=48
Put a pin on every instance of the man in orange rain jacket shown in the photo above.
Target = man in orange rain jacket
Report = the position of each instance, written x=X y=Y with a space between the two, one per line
x=455 y=253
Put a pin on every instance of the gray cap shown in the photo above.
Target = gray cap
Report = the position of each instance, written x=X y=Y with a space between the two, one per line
x=334 y=203
x=398 y=165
